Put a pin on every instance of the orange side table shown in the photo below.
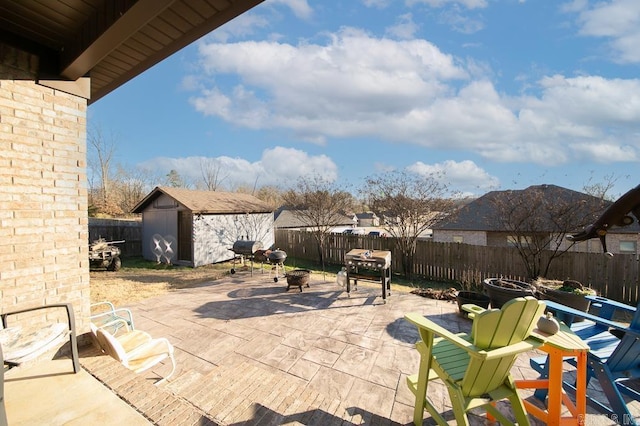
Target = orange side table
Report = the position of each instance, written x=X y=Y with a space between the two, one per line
x=565 y=343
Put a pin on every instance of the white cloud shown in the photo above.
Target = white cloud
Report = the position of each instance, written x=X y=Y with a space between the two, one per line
x=300 y=8
x=380 y=4
x=460 y=22
x=278 y=166
x=470 y=4
x=464 y=175
x=404 y=29
x=607 y=152
x=617 y=20
x=335 y=89
x=241 y=26
x=358 y=86
x=592 y=99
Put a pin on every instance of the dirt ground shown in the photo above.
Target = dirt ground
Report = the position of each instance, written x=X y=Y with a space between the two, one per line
x=132 y=284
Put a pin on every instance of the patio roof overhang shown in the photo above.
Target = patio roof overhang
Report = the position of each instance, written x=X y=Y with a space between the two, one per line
x=110 y=41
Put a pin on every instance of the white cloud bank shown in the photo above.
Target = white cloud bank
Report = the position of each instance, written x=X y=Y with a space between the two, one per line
x=278 y=166
x=463 y=174
x=409 y=91
x=616 y=20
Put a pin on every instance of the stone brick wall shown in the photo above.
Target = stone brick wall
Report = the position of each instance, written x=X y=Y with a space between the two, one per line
x=43 y=196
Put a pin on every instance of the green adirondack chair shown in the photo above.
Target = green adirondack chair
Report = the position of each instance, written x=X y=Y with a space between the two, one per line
x=475 y=367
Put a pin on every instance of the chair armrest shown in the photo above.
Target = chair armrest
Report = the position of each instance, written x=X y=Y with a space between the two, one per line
x=112 y=313
x=553 y=306
x=608 y=306
x=121 y=321
x=423 y=323
x=514 y=349
x=472 y=310
x=69 y=308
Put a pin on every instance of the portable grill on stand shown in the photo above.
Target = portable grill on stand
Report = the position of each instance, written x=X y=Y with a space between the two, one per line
x=276 y=258
x=369 y=265
x=243 y=250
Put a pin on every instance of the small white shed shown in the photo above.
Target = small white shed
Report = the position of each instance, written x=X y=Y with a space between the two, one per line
x=196 y=228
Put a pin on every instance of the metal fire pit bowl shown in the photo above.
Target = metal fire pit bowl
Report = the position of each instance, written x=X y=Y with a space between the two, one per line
x=298 y=278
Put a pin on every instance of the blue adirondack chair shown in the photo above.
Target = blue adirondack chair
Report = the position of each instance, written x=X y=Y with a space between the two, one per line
x=613 y=358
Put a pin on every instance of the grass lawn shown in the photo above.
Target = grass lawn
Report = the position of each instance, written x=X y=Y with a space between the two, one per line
x=140 y=279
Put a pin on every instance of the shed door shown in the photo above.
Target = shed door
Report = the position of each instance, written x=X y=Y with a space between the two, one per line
x=184 y=236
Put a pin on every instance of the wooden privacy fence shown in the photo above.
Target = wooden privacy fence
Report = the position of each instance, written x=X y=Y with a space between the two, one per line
x=117 y=230
x=613 y=277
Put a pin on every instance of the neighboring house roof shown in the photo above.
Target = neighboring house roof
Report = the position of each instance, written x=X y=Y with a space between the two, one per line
x=286 y=218
x=366 y=216
x=207 y=202
x=483 y=213
x=111 y=41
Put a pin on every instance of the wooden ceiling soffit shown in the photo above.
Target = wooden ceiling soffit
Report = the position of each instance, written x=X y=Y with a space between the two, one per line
x=110 y=26
x=227 y=12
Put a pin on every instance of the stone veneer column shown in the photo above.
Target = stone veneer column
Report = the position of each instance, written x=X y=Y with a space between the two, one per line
x=43 y=195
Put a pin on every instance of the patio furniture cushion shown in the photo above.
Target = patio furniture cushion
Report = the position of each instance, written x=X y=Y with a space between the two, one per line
x=20 y=346
x=9 y=336
x=136 y=349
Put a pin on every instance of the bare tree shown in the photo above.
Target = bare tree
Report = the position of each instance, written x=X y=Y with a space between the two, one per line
x=601 y=189
x=271 y=195
x=409 y=204
x=101 y=151
x=212 y=173
x=318 y=204
x=538 y=219
x=131 y=185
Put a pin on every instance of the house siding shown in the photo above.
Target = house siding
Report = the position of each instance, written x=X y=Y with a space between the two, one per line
x=214 y=235
x=613 y=243
x=476 y=238
x=499 y=239
x=43 y=195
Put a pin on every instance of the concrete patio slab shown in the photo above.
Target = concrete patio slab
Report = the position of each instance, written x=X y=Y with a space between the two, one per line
x=49 y=393
x=250 y=352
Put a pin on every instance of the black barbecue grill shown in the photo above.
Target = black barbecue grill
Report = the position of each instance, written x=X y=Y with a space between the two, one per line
x=276 y=258
x=369 y=265
x=243 y=250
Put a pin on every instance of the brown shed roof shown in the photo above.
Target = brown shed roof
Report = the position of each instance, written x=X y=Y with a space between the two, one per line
x=207 y=202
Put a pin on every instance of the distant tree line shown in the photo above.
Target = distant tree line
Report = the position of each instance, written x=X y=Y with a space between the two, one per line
x=409 y=203
x=114 y=189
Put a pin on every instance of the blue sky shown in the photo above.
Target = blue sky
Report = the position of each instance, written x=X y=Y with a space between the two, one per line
x=495 y=94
